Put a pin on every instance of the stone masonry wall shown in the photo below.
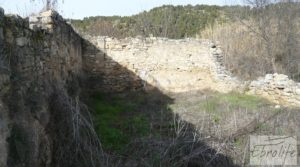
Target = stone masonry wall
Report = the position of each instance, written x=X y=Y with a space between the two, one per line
x=38 y=56
x=179 y=66
x=4 y=131
x=173 y=66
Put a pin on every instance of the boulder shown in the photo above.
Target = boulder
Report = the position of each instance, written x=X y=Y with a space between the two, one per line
x=49 y=13
x=280 y=77
x=257 y=83
x=268 y=78
x=34 y=19
x=281 y=84
x=46 y=20
x=280 y=81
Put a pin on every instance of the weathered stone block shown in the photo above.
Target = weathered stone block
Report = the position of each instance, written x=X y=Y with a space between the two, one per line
x=34 y=19
x=288 y=90
x=49 y=27
x=22 y=41
x=46 y=20
x=49 y=13
x=280 y=77
x=281 y=84
x=268 y=77
x=286 y=94
x=256 y=84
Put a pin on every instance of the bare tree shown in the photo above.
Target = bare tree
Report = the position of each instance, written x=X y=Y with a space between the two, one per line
x=48 y=4
x=262 y=38
x=275 y=23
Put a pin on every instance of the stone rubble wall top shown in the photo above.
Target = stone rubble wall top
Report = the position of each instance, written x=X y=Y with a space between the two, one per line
x=277 y=88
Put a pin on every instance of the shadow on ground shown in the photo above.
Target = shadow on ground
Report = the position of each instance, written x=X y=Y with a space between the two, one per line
x=137 y=127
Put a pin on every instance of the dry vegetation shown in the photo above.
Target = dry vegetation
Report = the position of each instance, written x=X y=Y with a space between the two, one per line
x=196 y=129
x=225 y=121
x=140 y=129
x=266 y=42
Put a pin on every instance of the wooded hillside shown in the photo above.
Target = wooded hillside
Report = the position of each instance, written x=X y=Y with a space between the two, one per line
x=165 y=21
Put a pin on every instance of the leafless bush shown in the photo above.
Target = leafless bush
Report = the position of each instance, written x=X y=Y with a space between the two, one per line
x=183 y=147
x=75 y=141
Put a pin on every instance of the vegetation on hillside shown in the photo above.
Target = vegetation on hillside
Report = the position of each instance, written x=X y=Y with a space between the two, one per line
x=165 y=21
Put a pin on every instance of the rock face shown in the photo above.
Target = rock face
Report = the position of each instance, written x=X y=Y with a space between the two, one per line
x=173 y=66
x=277 y=88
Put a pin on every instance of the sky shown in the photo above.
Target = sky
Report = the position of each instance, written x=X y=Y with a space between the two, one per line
x=79 y=9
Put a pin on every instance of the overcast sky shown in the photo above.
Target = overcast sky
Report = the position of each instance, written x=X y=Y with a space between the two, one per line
x=83 y=8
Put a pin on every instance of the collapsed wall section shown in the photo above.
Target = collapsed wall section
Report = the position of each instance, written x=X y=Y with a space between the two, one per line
x=278 y=88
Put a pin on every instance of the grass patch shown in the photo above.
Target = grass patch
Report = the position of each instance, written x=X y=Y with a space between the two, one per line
x=117 y=120
x=241 y=100
x=232 y=100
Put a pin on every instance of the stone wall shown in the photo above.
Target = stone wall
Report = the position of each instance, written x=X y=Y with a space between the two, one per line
x=173 y=66
x=4 y=131
x=176 y=66
x=39 y=57
x=3 y=67
x=278 y=88
x=103 y=73
x=43 y=46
